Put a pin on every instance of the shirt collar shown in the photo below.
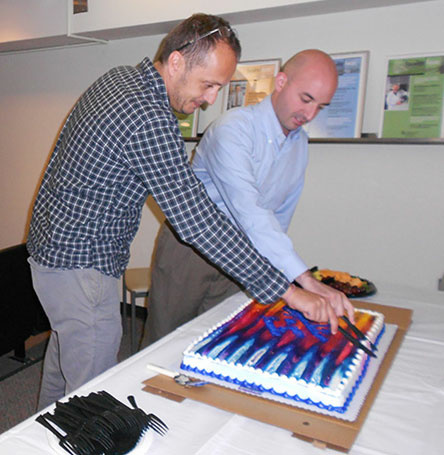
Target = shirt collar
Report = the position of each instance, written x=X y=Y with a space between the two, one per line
x=152 y=76
x=271 y=123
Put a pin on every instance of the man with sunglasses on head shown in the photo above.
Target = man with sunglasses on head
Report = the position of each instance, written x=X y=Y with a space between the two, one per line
x=252 y=161
x=120 y=144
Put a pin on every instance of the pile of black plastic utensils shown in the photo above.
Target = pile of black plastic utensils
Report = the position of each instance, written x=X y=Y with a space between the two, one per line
x=99 y=424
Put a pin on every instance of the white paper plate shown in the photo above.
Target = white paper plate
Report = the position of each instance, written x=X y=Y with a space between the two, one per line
x=140 y=449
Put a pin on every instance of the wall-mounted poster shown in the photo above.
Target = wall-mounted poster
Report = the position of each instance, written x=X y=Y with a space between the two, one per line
x=188 y=123
x=413 y=97
x=250 y=83
x=343 y=117
x=80 y=6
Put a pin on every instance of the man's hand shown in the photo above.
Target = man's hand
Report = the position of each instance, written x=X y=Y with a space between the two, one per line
x=318 y=302
x=338 y=300
x=313 y=306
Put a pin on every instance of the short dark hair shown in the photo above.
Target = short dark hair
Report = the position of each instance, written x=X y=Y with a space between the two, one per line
x=196 y=36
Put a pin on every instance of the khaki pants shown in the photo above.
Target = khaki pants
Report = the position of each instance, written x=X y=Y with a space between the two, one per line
x=83 y=308
x=183 y=285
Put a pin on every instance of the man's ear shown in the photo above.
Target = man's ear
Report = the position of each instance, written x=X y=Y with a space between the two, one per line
x=176 y=63
x=279 y=81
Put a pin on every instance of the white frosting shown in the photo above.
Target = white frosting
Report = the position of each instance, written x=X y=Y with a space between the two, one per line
x=335 y=395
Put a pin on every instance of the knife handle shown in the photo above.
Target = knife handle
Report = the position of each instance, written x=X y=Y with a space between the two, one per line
x=161 y=370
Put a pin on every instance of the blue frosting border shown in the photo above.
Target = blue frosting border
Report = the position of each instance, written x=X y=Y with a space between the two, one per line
x=261 y=389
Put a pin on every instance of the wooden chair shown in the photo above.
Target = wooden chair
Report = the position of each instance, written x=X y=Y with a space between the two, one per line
x=137 y=282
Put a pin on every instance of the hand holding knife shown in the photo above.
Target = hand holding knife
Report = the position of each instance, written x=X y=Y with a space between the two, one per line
x=360 y=336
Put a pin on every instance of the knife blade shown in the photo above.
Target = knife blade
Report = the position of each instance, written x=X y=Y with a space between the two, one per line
x=179 y=378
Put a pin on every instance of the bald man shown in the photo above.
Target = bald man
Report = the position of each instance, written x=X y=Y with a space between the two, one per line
x=252 y=162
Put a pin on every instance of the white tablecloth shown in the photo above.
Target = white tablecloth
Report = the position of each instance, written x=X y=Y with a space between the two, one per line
x=407 y=417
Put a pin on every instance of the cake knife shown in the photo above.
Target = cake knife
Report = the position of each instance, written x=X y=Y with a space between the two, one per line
x=180 y=378
x=358 y=333
x=356 y=342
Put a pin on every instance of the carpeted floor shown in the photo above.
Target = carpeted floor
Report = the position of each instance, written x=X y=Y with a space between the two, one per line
x=19 y=391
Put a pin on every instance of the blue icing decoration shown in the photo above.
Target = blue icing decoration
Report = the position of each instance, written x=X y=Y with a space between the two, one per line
x=207 y=340
x=269 y=322
x=316 y=377
x=236 y=355
x=279 y=331
x=257 y=355
x=300 y=367
x=201 y=344
x=320 y=331
x=220 y=347
x=336 y=378
x=275 y=363
x=331 y=368
x=345 y=365
x=296 y=331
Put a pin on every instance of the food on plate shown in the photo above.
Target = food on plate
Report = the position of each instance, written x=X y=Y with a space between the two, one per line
x=350 y=285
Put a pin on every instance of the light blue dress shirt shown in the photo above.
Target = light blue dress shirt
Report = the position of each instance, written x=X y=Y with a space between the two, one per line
x=255 y=174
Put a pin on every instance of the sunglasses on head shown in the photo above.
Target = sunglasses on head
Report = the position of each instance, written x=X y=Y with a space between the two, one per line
x=228 y=30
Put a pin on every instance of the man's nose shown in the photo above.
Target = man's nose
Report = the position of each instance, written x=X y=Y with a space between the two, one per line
x=311 y=111
x=211 y=95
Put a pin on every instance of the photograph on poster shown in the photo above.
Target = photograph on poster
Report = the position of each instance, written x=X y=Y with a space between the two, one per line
x=413 y=97
x=397 y=93
x=343 y=117
x=251 y=83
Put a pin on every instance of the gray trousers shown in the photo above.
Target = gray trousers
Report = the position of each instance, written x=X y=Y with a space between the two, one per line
x=83 y=308
x=183 y=285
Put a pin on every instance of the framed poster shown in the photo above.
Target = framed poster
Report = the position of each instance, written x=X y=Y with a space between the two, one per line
x=188 y=123
x=251 y=83
x=413 y=97
x=343 y=117
x=80 y=6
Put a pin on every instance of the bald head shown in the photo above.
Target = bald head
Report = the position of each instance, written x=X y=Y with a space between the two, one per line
x=312 y=59
x=305 y=85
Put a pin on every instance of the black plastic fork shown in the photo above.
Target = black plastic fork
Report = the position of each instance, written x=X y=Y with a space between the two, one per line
x=99 y=423
x=80 y=446
x=151 y=420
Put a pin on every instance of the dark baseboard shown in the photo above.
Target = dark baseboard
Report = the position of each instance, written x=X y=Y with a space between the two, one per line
x=141 y=312
x=11 y=364
x=18 y=365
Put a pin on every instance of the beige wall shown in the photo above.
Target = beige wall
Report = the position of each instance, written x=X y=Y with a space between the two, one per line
x=375 y=210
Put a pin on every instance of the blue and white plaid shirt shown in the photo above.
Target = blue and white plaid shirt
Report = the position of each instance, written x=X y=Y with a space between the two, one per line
x=121 y=143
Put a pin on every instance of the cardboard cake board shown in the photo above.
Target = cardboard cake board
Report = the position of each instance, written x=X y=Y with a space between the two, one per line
x=321 y=430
